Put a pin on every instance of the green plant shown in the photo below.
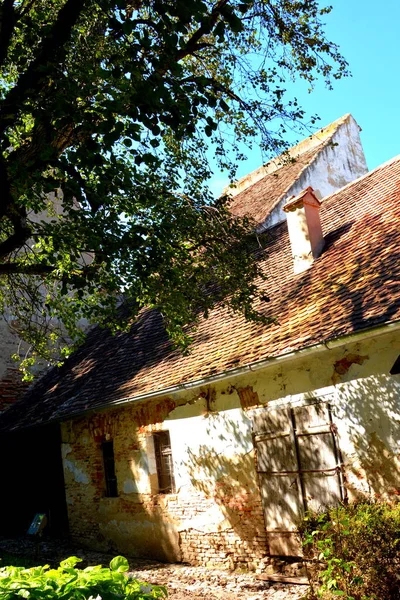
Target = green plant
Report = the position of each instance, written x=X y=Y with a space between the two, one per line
x=70 y=583
x=353 y=551
x=16 y=561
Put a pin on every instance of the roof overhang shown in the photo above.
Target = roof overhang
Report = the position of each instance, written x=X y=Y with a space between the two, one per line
x=249 y=368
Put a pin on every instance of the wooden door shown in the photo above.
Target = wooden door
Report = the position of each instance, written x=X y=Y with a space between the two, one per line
x=299 y=468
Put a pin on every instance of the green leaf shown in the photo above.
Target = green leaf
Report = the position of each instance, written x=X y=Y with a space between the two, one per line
x=119 y=564
x=70 y=562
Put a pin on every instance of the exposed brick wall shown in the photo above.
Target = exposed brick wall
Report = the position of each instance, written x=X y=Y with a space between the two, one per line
x=11 y=387
x=11 y=384
x=240 y=546
x=220 y=525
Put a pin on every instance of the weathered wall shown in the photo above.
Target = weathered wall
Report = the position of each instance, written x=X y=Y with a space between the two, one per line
x=215 y=517
x=336 y=165
x=11 y=385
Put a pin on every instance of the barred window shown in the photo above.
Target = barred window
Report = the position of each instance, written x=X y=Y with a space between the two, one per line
x=109 y=469
x=163 y=455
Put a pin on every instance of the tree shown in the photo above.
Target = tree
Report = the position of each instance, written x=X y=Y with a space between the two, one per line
x=107 y=111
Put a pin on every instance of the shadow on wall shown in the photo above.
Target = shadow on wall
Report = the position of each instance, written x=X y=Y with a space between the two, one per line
x=370 y=407
x=365 y=433
x=222 y=471
x=294 y=473
x=298 y=462
x=133 y=523
x=226 y=472
x=366 y=429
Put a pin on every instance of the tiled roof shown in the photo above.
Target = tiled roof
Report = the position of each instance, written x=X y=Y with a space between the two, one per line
x=259 y=199
x=354 y=285
x=258 y=193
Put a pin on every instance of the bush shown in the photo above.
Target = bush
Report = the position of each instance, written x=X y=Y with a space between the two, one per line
x=69 y=583
x=353 y=552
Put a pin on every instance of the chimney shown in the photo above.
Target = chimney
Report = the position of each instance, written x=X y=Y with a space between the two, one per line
x=305 y=231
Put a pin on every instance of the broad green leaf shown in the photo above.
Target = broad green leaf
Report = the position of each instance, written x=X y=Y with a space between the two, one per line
x=119 y=564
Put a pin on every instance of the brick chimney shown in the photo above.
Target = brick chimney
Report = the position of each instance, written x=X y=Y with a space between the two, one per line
x=305 y=231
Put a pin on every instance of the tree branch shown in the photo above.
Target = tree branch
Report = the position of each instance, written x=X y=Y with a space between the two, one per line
x=43 y=137
x=15 y=241
x=51 y=52
x=7 y=24
x=204 y=29
x=72 y=172
x=6 y=198
x=14 y=268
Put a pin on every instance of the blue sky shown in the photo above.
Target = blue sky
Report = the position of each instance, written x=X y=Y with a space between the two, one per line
x=368 y=34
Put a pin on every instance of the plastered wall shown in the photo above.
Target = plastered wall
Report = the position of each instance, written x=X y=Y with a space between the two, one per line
x=215 y=517
x=336 y=165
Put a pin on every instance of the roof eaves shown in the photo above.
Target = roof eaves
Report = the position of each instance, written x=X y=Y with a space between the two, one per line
x=328 y=344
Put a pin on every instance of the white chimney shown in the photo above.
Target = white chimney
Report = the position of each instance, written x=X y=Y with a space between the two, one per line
x=305 y=231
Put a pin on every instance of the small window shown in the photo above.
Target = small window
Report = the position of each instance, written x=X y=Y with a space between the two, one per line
x=395 y=370
x=165 y=470
x=109 y=469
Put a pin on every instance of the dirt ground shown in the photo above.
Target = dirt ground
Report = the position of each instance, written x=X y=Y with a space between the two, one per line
x=199 y=583
x=183 y=582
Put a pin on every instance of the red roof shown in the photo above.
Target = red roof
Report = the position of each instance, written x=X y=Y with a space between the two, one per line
x=354 y=285
x=257 y=194
x=259 y=199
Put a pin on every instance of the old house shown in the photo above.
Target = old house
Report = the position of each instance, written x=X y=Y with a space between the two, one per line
x=212 y=458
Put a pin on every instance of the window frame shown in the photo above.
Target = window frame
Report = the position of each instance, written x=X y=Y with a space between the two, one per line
x=110 y=477
x=395 y=370
x=164 y=462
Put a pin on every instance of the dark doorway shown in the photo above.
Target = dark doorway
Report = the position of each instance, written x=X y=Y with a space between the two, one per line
x=32 y=480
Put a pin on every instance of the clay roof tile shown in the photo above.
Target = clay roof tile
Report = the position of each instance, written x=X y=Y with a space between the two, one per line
x=352 y=286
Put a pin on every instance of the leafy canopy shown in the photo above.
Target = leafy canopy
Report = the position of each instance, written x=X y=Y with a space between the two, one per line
x=108 y=109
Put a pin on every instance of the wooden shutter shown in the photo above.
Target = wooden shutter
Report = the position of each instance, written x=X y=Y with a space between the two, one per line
x=299 y=468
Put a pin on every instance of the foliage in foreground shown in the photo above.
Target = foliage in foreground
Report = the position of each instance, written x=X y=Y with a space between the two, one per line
x=69 y=583
x=108 y=109
x=354 y=552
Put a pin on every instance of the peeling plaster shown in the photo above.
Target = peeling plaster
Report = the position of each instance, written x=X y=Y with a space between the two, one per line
x=79 y=475
x=65 y=450
x=129 y=487
x=211 y=521
x=342 y=366
x=213 y=453
x=248 y=397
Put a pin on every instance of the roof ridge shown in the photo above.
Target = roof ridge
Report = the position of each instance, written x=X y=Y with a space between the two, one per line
x=319 y=147
x=233 y=188
x=300 y=173
x=285 y=164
